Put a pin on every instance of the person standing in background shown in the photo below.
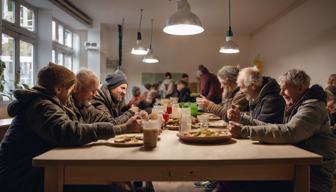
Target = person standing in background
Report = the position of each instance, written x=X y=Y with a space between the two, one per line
x=209 y=85
x=332 y=80
x=167 y=87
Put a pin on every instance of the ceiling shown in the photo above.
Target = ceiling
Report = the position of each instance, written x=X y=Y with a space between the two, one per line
x=247 y=16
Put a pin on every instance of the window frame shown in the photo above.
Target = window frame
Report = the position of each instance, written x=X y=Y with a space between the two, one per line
x=19 y=33
x=62 y=48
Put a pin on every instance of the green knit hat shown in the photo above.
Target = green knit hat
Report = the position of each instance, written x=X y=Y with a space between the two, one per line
x=54 y=75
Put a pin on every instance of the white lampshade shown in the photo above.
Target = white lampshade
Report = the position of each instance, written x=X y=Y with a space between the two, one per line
x=150 y=57
x=229 y=46
x=139 y=49
x=183 y=22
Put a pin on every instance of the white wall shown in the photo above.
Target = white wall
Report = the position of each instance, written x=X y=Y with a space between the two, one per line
x=176 y=53
x=305 y=38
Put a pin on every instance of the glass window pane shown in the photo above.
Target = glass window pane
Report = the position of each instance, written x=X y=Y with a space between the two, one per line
x=60 y=59
x=26 y=63
x=60 y=34
x=8 y=53
x=68 y=61
x=27 y=19
x=8 y=10
x=68 y=38
x=54 y=38
x=53 y=56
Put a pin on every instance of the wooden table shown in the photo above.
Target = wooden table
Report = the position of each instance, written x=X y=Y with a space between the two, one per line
x=4 y=124
x=172 y=160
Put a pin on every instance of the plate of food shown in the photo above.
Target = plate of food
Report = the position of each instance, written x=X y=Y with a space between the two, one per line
x=205 y=136
x=127 y=140
x=173 y=124
x=218 y=124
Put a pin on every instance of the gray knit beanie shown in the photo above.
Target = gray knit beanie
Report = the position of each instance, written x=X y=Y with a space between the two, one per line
x=114 y=80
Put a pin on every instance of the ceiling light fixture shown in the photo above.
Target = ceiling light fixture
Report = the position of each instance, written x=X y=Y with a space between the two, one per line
x=183 y=22
x=229 y=46
x=139 y=49
x=150 y=57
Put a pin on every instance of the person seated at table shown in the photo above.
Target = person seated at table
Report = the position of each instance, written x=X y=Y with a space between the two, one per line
x=167 y=87
x=110 y=98
x=136 y=96
x=306 y=125
x=79 y=102
x=183 y=91
x=332 y=80
x=185 y=77
x=263 y=94
x=148 y=103
x=209 y=85
x=331 y=105
x=42 y=122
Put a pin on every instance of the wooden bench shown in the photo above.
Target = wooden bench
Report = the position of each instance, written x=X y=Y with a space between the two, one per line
x=4 y=124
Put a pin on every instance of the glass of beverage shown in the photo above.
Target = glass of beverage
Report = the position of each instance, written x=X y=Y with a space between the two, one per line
x=204 y=121
x=150 y=133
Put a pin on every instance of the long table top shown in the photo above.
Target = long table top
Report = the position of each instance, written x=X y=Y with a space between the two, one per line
x=171 y=151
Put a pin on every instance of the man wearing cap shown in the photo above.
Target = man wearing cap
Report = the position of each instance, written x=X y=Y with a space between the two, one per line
x=42 y=122
x=110 y=98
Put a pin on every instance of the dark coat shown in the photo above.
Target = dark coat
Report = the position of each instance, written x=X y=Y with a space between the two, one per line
x=107 y=104
x=210 y=87
x=184 y=95
x=269 y=107
x=40 y=123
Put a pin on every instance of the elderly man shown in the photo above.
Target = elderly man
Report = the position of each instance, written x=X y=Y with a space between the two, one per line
x=332 y=80
x=79 y=102
x=306 y=125
x=227 y=76
x=41 y=123
x=110 y=98
x=263 y=94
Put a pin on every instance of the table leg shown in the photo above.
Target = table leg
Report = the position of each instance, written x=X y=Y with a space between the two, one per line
x=53 y=179
x=302 y=179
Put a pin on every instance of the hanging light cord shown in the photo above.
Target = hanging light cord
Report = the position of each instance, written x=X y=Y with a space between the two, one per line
x=141 y=10
x=150 y=44
x=229 y=13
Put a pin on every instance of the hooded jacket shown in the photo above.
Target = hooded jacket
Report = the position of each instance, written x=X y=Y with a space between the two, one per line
x=105 y=102
x=269 y=106
x=40 y=123
x=306 y=125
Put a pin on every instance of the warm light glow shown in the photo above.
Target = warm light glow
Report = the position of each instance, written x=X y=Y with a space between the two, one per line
x=150 y=60
x=183 y=29
x=229 y=46
x=225 y=50
x=138 y=51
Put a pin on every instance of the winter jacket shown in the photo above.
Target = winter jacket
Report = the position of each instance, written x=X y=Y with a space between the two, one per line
x=167 y=88
x=269 y=106
x=210 y=87
x=184 y=95
x=40 y=123
x=306 y=126
x=105 y=102
x=237 y=98
x=89 y=114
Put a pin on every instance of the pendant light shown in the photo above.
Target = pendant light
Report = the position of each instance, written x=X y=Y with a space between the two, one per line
x=229 y=46
x=183 y=22
x=139 y=49
x=150 y=57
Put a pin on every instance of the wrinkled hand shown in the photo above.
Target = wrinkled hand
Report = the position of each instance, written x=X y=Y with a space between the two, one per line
x=233 y=114
x=203 y=102
x=134 y=108
x=235 y=129
x=133 y=125
x=143 y=115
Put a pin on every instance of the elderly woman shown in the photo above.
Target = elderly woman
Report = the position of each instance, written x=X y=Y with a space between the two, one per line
x=331 y=104
x=227 y=76
x=306 y=125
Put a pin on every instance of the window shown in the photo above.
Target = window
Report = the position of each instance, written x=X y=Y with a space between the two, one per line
x=27 y=20
x=8 y=10
x=18 y=42
x=8 y=57
x=63 y=50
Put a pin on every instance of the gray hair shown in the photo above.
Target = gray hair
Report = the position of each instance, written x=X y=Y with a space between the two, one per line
x=85 y=76
x=228 y=73
x=250 y=75
x=296 y=77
